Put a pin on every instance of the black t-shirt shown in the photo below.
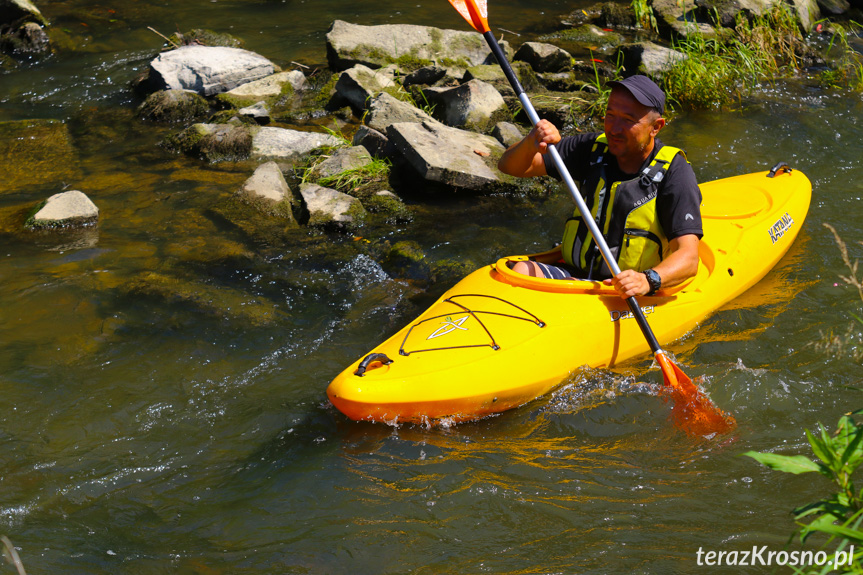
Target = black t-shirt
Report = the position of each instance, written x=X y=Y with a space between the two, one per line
x=678 y=201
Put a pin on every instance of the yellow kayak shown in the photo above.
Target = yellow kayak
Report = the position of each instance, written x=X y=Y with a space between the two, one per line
x=499 y=339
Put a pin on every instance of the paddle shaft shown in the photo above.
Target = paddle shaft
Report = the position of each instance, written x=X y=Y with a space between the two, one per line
x=636 y=310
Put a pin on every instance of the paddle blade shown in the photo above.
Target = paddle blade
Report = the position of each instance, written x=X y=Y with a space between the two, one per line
x=693 y=411
x=474 y=11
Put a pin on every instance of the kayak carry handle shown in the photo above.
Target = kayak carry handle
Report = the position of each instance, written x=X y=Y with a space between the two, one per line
x=780 y=166
x=372 y=357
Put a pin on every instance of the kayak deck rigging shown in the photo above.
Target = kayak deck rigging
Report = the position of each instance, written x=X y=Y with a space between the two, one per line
x=451 y=325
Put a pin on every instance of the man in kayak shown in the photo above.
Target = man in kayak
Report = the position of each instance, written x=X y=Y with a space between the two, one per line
x=642 y=194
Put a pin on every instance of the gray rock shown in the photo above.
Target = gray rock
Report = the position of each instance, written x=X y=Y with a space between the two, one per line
x=282 y=143
x=648 y=58
x=376 y=46
x=66 y=209
x=359 y=84
x=474 y=105
x=268 y=183
x=808 y=13
x=213 y=142
x=30 y=38
x=544 y=57
x=385 y=110
x=342 y=160
x=173 y=106
x=507 y=133
x=208 y=70
x=449 y=155
x=14 y=10
x=271 y=86
x=375 y=142
x=331 y=208
x=426 y=75
x=259 y=112
x=834 y=7
x=679 y=18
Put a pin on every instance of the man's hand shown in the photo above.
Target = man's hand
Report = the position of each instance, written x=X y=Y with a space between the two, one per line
x=544 y=134
x=629 y=283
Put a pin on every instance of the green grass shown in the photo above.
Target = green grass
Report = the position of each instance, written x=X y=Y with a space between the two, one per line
x=722 y=70
x=376 y=172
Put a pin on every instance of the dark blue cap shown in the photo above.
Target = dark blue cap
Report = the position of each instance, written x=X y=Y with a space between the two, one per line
x=644 y=90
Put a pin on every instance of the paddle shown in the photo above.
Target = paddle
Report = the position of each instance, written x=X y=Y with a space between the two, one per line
x=692 y=411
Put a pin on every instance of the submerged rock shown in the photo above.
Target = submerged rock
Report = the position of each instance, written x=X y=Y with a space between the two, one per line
x=36 y=153
x=208 y=70
x=66 y=209
x=173 y=106
x=213 y=142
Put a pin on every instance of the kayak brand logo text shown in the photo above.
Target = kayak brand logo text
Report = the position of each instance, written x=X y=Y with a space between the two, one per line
x=617 y=314
x=449 y=326
x=781 y=226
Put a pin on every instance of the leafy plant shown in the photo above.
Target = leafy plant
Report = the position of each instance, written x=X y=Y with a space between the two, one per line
x=840 y=515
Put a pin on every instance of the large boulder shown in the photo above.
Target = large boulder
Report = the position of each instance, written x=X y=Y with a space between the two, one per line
x=727 y=11
x=208 y=70
x=14 y=10
x=360 y=83
x=282 y=143
x=544 y=57
x=450 y=156
x=411 y=47
x=474 y=105
x=385 y=110
x=330 y=208
x=66 y=209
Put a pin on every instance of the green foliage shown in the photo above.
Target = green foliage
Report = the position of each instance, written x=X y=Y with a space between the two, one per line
x=849 y=70
x=377 y=171
x=838 y=516
x=644 y=15
x=719 y=71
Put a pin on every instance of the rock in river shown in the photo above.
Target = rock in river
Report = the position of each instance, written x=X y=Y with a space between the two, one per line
x=208 y=70
x=65 y=209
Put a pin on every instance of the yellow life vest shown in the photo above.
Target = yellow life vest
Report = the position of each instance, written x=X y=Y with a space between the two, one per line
x=626 y=214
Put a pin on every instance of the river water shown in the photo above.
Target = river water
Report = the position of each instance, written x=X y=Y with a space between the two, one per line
x=186 y=430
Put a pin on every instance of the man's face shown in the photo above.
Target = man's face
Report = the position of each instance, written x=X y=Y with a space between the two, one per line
x=630 y=126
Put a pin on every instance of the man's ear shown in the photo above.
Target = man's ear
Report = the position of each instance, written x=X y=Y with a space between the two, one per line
x=658 y=124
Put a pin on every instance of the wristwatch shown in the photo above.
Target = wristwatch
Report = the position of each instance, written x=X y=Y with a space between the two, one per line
x=653 y=280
